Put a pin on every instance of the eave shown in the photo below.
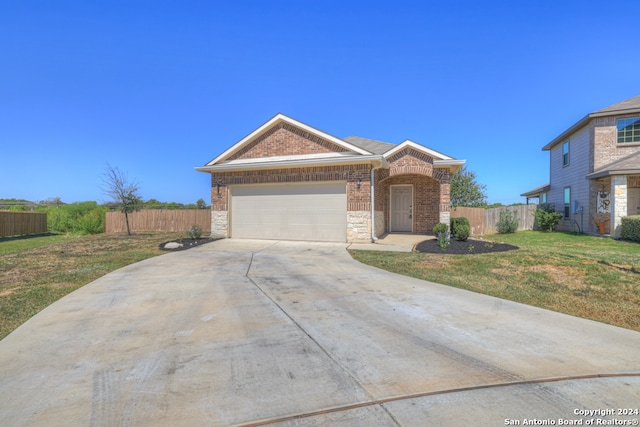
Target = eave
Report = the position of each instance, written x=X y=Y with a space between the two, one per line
x=602 y=174
x=453 y=165
x=375 y=160
x=584 y=121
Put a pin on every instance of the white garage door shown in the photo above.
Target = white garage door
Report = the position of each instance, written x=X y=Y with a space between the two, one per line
x=290 y=212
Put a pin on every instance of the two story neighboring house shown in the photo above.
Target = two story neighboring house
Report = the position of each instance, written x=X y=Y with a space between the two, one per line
x=595 y=170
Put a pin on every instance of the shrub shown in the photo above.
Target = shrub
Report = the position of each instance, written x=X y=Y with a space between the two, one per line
x=441 y=231
x=546 y=217
x=462 y=232
x=507 y=222
x=92 y=222
x=195 y=232
x=81 y=217
x=440 y=228
x=59 y=220
x=630 y=228
x=455 y=222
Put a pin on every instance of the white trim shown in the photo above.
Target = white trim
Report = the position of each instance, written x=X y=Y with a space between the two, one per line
x=286 y=158
x=416 y=146
x=413 y=195
x=282 y=118
x=453 y=165
x=267 y=164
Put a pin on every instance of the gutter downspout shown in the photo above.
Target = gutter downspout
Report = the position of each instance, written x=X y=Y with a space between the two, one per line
x=374 y=239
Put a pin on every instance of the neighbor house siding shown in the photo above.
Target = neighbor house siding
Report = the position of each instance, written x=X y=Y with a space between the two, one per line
x=572 y=176
x=606 y=147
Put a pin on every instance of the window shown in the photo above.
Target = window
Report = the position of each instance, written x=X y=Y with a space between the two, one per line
x=565 y=153
x=629 y=130
x=567 y=202
x=543 y=198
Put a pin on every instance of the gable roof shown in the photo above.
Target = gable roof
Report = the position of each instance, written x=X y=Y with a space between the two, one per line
x=631 y=105
x=624 y=166
x=408 y=143
x=358 y=150
x=274 y=121
x=371 y=145
x=628 y=106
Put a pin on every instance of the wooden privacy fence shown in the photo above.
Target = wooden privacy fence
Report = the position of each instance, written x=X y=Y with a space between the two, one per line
x=475 y=217
x=159 y=220
x=483 y=221
x=20 y=223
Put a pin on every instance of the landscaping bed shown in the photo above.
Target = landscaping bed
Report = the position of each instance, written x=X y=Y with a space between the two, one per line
x=468 y=247
x=184 y=243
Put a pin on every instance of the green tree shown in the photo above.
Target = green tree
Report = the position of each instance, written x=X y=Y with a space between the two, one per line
x=122 y=191
x=465 y=191
x=201 y=204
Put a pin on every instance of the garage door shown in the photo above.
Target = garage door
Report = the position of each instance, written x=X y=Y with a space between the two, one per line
x=290 y=212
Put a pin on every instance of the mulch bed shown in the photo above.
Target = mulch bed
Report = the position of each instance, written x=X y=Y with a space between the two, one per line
x=469 y=247
x=187 y=243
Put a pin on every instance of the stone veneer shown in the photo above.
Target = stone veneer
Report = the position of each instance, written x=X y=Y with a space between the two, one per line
x=379 y=217
x=219 y=224
x=359 y=226
x=618 y=203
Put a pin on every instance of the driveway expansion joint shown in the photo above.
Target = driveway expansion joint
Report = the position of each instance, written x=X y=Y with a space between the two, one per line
x=382 y=402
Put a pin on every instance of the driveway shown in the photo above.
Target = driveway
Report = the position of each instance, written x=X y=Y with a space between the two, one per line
x=241 y=332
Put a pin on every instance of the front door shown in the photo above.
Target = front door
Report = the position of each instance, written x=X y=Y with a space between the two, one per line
x=401 y=208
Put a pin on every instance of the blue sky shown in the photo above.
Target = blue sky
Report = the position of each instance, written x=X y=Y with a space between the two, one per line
x=157 y=88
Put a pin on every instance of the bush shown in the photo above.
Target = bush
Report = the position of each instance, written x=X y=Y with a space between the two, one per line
x=195 y=232
x=455 y=222
x=546 y=217
x=462 y=232
x=92 y=222
x=507 y=222
x=82 y=217
x=441 y=228
x=630 y=228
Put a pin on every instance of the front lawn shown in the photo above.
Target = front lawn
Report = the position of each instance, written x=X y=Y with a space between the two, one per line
x=36 y=271
x=591 y=277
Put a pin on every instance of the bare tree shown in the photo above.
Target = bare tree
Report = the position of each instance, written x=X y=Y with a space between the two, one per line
x=122 y=191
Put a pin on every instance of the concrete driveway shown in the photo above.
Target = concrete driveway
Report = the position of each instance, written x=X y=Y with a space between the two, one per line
x=298 y=334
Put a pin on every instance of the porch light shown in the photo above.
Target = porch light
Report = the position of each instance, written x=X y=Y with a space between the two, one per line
x=358 y=181
x=218 y=189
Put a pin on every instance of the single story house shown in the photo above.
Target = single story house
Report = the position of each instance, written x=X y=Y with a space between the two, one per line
x=287 y=180
x=595 y=170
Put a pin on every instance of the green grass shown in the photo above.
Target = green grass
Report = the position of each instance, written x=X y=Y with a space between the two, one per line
x=38 y=270
x=15 y=244
x=591 y=277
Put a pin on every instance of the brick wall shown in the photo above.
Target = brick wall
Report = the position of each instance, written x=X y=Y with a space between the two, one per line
x=426 y=200
x=605 y=142
x=410 y=161
x=285 y=140
x=358 y=198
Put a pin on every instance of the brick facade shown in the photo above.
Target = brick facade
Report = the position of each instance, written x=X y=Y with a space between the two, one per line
x=409 y=166
x=285 y=140
x=426 y=197
x=605 y=147
x=431 y=188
